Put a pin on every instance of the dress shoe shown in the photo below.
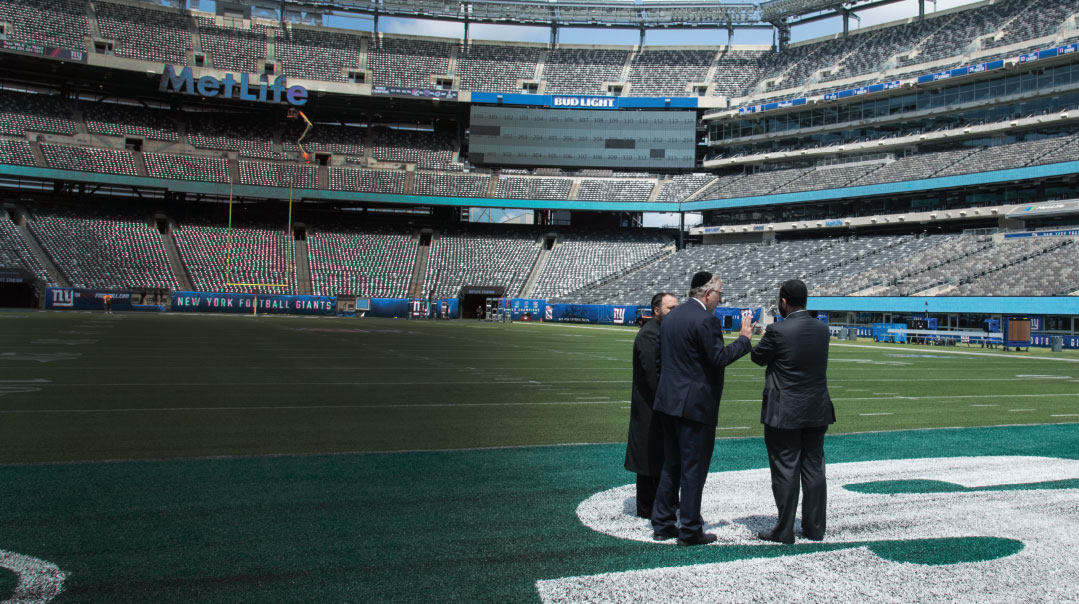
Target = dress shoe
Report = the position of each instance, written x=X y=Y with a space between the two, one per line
x=771 y=536
x=814 y=537
x=702 y=539
x=665 y=534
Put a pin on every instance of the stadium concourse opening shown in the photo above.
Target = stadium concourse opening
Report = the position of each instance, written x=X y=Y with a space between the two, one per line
x=474 y=299
x=17 y=289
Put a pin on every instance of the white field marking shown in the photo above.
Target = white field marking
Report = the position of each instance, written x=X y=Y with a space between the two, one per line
x=39 y=357
x=301 y=407
x=596 y=398
x=17 y=390
x=984 y=405
x=59 y=342
x=33 y=381
x=631 y=341
x=1022 y=409
x=739 y=504
x=871 y=414
x=732 y=428
x=551 y=324
x=923 y=398
x=38 y=581
x=869 y=362
x=244 y=384
x=969 y=353
x=1065 y=415
x=895 y=393
x=1043 y=377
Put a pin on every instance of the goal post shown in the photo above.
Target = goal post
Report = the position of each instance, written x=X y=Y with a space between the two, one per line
x=228 y=247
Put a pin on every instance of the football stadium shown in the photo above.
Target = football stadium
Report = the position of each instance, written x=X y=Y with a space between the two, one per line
x=301 y=302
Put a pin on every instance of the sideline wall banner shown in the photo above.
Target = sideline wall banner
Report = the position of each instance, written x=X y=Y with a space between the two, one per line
x=533 y=307
x=73 y=298
x=598 y=314
x=245 y=303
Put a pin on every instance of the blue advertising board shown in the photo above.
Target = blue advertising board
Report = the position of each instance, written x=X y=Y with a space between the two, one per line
x=732 y=317
x=73 y=298
x=770 y=106
x=597 y=314
x=390 y=308
x=843 y=94
x=534 y=308
x=245 y=303
x=1049 y=53
x=961 y=71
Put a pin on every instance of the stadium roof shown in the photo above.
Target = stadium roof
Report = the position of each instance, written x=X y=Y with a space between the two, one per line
x=558 y=13
x=781 y=9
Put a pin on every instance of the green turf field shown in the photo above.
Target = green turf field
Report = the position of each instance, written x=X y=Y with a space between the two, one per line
x=375 y=510
x=78 y=386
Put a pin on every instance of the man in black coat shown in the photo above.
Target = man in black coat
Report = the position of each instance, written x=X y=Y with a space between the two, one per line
x=687 y=403
x=796 y=412
x=644 y=449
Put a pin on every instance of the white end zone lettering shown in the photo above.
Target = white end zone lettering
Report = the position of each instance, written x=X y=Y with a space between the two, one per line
x=738 y=504
x=39 y=581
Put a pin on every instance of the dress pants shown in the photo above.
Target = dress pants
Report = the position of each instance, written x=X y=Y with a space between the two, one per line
x=687 y=453
x=796 y=457
x=646 y=494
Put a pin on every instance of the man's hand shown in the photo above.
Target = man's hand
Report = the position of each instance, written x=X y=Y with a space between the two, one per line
x=747 y=324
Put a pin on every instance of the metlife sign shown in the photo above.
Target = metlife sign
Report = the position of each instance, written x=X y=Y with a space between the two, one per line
x=228 y=87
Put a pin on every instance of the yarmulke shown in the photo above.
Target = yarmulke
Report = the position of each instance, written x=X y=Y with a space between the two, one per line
x=700 y=279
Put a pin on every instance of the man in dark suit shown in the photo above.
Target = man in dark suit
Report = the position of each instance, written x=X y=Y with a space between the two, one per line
x=687 y=403
x=644 y=450
x=796 y=412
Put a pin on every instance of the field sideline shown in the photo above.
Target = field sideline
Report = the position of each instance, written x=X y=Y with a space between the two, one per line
x=357 y=460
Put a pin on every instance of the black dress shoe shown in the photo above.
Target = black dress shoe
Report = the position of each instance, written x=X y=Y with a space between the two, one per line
x=771 y=536
x=702 y=539
x=814 y=537
x=665 y=534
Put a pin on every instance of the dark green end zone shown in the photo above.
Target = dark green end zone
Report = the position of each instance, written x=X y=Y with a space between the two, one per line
x=8 y=580
x=480 y=525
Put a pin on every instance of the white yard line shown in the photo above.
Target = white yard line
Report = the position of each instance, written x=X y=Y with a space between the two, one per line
x=963 y=352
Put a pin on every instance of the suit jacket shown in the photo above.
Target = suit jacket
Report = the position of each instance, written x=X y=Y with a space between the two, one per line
x=693 y=357
x=795 y=383
x=644 y=449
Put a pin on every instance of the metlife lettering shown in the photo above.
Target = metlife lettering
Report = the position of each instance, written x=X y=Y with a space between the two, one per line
x=209 y=86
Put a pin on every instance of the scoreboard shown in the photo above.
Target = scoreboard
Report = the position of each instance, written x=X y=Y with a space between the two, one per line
x=582 y=137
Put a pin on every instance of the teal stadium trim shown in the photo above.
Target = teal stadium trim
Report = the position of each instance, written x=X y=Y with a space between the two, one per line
x=208 y=188
x=890 y=188
x=222 y=189
x=998 y=305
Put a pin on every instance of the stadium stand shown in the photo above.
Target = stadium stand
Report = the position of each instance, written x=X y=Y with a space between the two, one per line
x=56 y=23
x=492 y=256
x=614 y=190
x=681 y=186
x=369 y=263
x=668 y=72
x=144 y=33
x=269 y=174
x=103 y=251
x=251 y=254
x=90 y=159
x=16 y=152
x=452 y=185
x=1052 y=272
x=235 y=49
x=582 y=71
x=249 y=136
x=516 y=187
x=372 y=181
x=407 y=62
x=317 y=54
x=580 y=258
x=347 y=141
x=21 y=113
x=114 y=119
x=496 y=67
x=425 y=149
x=15 y=253
x=186 y=167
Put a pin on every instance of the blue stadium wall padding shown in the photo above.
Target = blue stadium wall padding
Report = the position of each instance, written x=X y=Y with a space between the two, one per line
x=970 y=305
x=532 y=306
x=245 y=303
x=74 y=298
x=389 y=308
x=597 y=314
